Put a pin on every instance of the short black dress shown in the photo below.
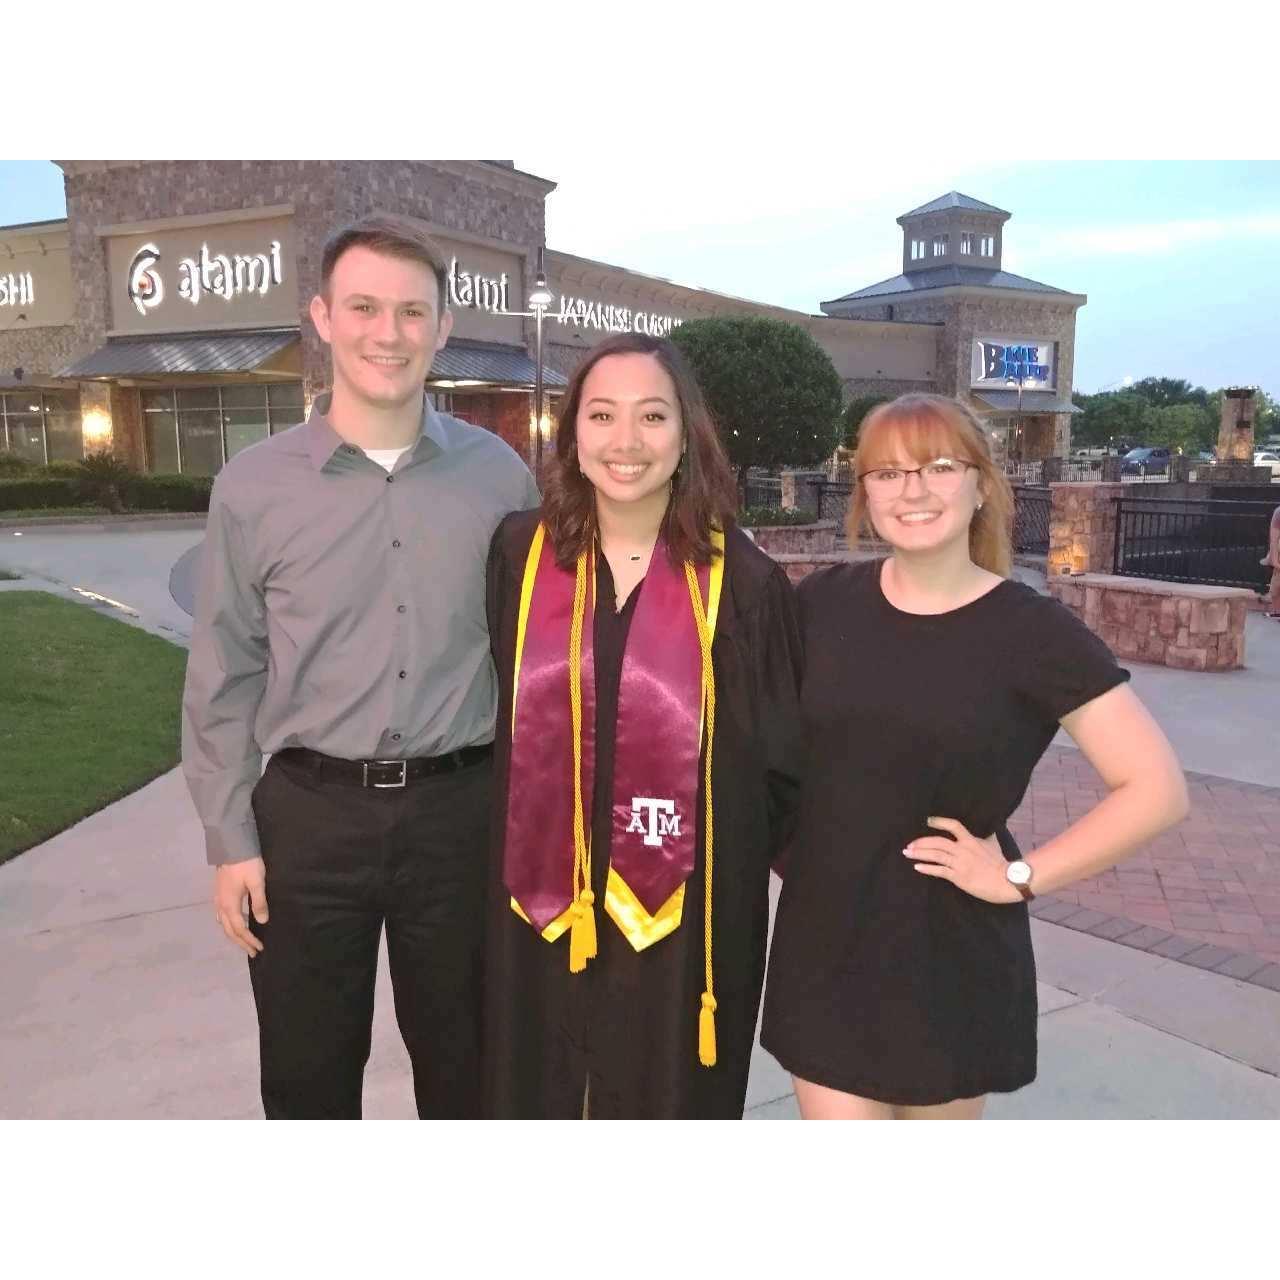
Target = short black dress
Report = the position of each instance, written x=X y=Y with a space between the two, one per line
x=884 y=982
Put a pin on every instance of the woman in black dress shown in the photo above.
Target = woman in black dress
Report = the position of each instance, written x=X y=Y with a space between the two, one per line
x=901 y=981
x=611 y=989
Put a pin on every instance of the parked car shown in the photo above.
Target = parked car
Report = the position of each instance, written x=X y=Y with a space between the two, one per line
x=1265 y=458
x=1146 y=461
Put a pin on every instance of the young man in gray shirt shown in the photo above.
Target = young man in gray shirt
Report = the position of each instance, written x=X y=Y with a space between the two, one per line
x=340 y=628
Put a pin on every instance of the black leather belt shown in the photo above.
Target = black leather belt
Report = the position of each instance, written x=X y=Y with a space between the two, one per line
x=384 y=774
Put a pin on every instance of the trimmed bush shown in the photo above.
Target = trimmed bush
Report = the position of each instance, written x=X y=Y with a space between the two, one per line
x=38 y=493
x=12 y=464
x=766 y=517
x=168 y=493
x=61 y=471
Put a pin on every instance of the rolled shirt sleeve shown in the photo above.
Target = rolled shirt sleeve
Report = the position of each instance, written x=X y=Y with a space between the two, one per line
x=226 y=679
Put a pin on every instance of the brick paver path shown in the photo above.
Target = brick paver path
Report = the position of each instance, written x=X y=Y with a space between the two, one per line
x=1215 y=877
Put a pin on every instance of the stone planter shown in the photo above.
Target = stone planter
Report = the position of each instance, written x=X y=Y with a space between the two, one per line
x=1193 y=628
x=797 y=539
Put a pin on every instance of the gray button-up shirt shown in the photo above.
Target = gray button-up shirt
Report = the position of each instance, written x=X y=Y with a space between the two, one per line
x=342 y=608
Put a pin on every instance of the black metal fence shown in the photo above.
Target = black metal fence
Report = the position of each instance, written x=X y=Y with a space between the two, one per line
x=1031 y=506
x=831 y=498
x=1219 y=543
x=764 y=491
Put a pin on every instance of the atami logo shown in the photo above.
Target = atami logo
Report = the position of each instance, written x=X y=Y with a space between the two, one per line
x=146 y=289
x=17 y=291
x=653 y=819
x=580 y=313
x=221 y=275
x=1013 y=362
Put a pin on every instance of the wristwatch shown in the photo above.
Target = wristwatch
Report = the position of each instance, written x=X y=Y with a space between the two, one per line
x=1018 y=874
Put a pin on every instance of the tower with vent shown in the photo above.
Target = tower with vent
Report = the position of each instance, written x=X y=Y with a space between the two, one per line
x=1006 y=343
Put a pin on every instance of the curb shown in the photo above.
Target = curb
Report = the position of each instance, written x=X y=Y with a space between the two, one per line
x=102 y=520
x=1257 y=971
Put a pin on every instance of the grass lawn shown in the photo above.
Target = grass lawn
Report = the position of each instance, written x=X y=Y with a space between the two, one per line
x=89 y=711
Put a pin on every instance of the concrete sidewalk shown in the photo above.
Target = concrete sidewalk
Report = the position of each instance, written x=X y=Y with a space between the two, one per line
x=122 y=999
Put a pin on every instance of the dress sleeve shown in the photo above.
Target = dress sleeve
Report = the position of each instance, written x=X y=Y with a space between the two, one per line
x=777 y=672
x=1062 y=663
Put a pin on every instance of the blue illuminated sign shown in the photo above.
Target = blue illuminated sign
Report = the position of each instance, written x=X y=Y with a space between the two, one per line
x=1019 y=363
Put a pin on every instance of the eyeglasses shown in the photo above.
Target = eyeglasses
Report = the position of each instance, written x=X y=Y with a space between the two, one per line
x=942 y=476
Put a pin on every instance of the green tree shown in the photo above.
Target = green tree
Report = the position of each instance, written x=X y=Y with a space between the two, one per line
x=854 y=412
x=1162 y=392
x=773 y=391
x=1181 y=427
x=1109 y=418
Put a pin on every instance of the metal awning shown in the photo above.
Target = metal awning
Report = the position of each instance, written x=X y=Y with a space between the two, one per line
x=207 y=353
x=1032 y=402
x=490 y=364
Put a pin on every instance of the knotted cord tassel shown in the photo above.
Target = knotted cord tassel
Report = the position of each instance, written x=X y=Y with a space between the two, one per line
x=582 y=933
x=707 y=1030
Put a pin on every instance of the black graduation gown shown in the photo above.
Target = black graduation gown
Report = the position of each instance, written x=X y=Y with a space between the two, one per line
x=627 y=1027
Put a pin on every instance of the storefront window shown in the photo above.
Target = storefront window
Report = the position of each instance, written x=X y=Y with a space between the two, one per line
x=195 y=429
x=41 y=426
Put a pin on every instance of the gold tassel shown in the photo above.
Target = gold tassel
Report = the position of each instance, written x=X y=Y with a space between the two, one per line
x=582 y=935
x=707 y=1030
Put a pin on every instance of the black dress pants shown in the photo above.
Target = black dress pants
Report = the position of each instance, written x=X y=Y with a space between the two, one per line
x=343 y=861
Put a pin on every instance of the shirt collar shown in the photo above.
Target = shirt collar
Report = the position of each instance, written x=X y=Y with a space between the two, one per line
x=323 y=441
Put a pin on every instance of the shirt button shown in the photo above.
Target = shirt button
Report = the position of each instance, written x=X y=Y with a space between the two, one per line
x=390 y=479
x=403 y=674
x=400 y=608
x=395 y=737
x=396 y=544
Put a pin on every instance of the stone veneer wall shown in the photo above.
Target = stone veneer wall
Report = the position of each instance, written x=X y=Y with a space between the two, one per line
x=964 y=318
x=470 y=197
x=1082 y=528
x=1190 y=628
x=39 y=352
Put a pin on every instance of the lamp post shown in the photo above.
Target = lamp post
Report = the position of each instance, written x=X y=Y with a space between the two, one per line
x=1017 y=429
x=540 y=298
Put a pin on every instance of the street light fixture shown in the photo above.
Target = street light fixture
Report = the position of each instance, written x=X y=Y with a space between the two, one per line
x=1011 y=381
x=540 y=298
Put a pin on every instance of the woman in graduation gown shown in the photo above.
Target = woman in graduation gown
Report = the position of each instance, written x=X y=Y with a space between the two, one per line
x=644 y=647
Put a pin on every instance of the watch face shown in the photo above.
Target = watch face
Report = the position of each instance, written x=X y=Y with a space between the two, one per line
x=1019 y=873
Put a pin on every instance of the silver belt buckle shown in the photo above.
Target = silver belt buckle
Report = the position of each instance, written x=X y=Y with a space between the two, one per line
x=382 y=786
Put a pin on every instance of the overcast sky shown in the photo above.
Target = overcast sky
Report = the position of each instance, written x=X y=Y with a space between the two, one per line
x=1180 y=261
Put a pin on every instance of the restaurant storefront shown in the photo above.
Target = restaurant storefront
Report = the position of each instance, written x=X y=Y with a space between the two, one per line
x=173 y=328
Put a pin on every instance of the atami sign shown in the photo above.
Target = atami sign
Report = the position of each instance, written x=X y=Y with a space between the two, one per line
x=17 y=291
x=1028 y=361
x=476 y=291
x=580 y=313
x=217 y=275
x=471 y=289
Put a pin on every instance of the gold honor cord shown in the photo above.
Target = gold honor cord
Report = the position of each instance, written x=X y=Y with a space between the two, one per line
x=582 y=934
x=707 y=1013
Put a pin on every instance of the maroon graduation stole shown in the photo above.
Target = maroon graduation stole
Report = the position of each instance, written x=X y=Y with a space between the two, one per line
x=666 y=696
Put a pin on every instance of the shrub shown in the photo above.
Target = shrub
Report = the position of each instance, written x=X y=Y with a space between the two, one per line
x=11 y=464
x=104 y=479
x=763 y=517
x=168 y=493
x=37 y=493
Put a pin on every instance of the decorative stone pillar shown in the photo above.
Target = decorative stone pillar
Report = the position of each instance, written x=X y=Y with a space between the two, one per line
x=1082 y=528
x=1235 y=431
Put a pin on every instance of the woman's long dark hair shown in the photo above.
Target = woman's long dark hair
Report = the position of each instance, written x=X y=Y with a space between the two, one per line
x=704 y=494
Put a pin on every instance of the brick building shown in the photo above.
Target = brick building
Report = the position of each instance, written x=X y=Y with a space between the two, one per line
x=1006 y=344
x=166 y=316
